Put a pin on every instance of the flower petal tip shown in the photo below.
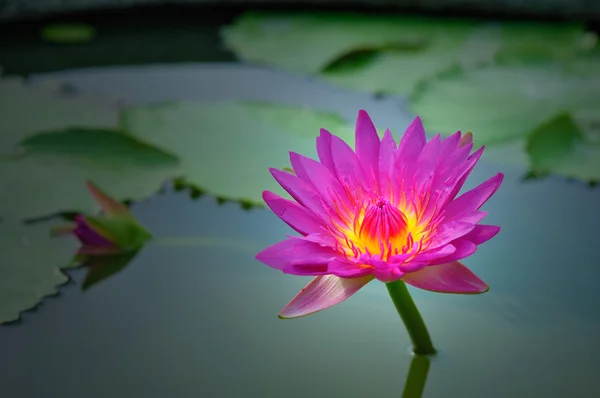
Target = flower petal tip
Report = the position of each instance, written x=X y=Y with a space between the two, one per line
x=321 y=293
x=106 y=203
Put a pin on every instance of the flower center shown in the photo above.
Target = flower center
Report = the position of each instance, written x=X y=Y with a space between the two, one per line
x=381 y=228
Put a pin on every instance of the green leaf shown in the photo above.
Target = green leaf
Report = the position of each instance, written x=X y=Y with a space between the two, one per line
x=525 y=42
x=399 y=72
x=68 y=33
x=226 y=149
x=501 y=103
x=308 y=42
x=50 y=175
x=30 y=266
x=392 y=54
x=563 y=146
x=30 y=108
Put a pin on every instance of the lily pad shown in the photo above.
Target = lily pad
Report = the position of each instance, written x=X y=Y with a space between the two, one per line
x=399 y=72
x=31 y=266
x=563 y=146
x=226 y=149
x=50 y=175
x=501 y=103
x=28 y=108
x=308 y=42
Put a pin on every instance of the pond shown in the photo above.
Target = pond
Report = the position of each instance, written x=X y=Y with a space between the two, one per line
x=195 y=314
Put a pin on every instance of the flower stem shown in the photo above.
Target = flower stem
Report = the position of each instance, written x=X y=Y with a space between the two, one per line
x=411 y=317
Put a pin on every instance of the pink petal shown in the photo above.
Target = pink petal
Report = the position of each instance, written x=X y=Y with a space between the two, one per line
x=324 y=182
x=367 y=143
x=298 y=257
x=348 y=168
x=412 y=142
x=294 y=215
x=387 y=151
x=303 y=192
x=321 y=293
x=91 y=235
x=463 y=171
x=440 y=252
x=324 y=150
x=462 y=249
x=451 y=277
x=450 y=231
x=106 y=203
x=427 y=159
x=473 y=199
x=348 y=269
x=482 y=233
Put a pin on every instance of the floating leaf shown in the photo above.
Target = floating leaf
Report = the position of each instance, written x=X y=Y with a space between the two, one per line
x=30 y=108
x=399 y=72
x=523 y=42
x=68 y=33
x=308 y=42
x=561 y=146
x=501 y=103
x=50 y=176
x=30 y=266
x=227 y=149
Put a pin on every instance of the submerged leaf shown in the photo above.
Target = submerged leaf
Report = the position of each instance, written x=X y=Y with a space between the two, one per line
x=226 y=149
x=30 y=266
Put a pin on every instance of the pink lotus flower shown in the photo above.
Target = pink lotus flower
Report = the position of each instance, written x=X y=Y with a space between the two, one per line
x=386 y=212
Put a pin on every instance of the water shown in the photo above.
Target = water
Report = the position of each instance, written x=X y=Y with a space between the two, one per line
x=194 y=320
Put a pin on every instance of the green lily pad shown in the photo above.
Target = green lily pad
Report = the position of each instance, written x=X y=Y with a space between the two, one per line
x=68 y=33
x=30 y=108
x=226 y=149
x=309 y=42
x=50 y=175
x=501 y=103
x=31 y=266
x=525 y=42
x=562 y=146
x=399 y=72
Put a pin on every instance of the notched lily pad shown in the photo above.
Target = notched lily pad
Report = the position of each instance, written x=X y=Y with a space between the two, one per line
x=28 y=108
x=31 y=266
x=226 y=149
x=49 y=176
x=308 y=42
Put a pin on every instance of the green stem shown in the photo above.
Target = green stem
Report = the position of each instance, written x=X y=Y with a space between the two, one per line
x=411 y=317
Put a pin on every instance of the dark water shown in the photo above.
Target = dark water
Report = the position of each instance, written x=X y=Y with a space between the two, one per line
x=199 y=318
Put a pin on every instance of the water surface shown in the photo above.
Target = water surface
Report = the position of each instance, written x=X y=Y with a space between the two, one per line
x=193 y=320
